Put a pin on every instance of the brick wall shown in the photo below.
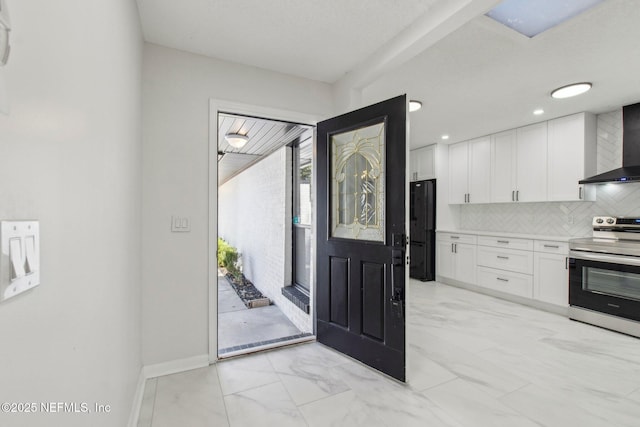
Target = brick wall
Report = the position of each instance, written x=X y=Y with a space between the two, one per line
x=254 y=215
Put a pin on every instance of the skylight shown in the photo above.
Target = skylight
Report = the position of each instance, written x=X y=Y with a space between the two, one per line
x=534 y=17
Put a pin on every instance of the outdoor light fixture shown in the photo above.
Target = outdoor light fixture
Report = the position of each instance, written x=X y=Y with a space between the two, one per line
x=414 y=105
x=236 y=140
x=570 y=90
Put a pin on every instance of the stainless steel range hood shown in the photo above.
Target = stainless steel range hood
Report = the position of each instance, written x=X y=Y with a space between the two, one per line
x=630 y=170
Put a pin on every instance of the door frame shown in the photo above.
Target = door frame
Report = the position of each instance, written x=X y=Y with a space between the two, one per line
x=217 y=106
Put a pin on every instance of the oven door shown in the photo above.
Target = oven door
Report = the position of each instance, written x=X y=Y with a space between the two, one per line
x=605 y=283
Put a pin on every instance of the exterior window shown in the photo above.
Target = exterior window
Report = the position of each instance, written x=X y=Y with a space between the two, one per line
x=302 y=213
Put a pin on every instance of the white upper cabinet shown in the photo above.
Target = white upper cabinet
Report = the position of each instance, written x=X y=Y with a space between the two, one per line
x=536 y=163
x=503 y=166
x=469 y=171
x=519 y=164
x=458 y=172
x=421 y=163
x=572 y=157
x=531 y=163
x=479 y=170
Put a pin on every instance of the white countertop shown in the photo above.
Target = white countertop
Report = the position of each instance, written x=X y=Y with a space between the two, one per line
x=511 y=235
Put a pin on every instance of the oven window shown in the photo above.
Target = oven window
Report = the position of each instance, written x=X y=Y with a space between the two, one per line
x=610 y=282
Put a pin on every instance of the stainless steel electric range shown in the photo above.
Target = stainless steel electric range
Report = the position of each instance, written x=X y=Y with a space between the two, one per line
x=604 y=275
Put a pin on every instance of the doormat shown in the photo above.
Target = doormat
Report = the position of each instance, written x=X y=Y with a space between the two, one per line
x=248 y=293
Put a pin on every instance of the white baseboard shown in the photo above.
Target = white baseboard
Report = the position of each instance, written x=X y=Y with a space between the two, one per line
x=175 y=366
x=137 y=400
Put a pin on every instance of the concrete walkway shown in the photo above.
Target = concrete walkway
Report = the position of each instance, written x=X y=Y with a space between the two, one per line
x=240 y=327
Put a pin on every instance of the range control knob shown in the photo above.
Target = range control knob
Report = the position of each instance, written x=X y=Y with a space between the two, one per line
x=610 y=221
x=599 y=220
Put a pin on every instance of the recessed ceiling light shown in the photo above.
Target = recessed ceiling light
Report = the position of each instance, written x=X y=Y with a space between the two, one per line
x=445 y=137
x=414 y=105
x=570 y=90
x=538 y=112
x=236 y=140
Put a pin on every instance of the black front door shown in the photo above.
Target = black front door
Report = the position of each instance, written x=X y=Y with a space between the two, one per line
x=361 y=235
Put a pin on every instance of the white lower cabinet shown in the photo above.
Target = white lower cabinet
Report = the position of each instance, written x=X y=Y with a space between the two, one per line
x=551 y=274
x=506 y=270
x=456 y=256
x=506 y=281
x=535 y=269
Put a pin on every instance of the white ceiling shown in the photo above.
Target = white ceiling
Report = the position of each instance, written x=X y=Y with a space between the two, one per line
x=485 y=77
x=316 y=39
x=473 y=75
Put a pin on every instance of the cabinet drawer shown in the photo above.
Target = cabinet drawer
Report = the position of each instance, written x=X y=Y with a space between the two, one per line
x=506 y=259
x=504 y=281
x=457 y=238
x=506 y=242
x=551 y=247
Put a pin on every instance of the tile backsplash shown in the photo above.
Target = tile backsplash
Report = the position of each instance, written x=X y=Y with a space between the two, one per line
x=564 y=218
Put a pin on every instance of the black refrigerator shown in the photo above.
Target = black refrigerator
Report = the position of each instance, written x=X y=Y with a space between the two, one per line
x=422 y=219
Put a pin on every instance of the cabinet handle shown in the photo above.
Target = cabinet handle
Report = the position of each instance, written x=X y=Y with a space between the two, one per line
x=506 y=242
x=501 y=279
x=452 y=251
x=468 y=197
x=455 y=237
x=513 y=197
x=455 y=247
x=503 y=257
x=517 y=195
x=552 y=246
x=580 y=193
x=566 y=263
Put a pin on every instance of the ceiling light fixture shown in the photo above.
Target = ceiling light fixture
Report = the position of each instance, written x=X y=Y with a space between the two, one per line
x=538 y=112
x=445 y=137
x=571 y=90
x=414 y=105
x=236 y=140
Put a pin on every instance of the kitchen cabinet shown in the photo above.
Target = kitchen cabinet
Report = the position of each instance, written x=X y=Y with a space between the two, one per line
x=519 y=164
x=551 y=274
x=422 y=163
x=534 y=270
x=456 y=256
x=572 y=157
x=503 y=166
x=469 y=171
x=506 y=265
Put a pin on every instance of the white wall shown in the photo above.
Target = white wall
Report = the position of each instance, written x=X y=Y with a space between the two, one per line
x=177 y=87
x=254 y=215
x=70 y=155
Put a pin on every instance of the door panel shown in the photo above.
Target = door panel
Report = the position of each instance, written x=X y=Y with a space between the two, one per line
x=339 y=289
x=373 y=285
x=361 y=234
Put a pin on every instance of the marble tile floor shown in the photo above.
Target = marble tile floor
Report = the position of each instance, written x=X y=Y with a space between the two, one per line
x=473 y=361
x=239 y=326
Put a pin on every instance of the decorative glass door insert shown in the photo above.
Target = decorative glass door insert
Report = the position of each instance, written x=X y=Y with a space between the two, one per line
x=358 y=183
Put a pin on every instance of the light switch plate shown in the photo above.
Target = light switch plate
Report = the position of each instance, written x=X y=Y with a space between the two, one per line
x=19 y=257
x=180 y=224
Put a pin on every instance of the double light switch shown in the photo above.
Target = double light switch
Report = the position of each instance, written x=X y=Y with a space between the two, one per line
x=19 y=257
